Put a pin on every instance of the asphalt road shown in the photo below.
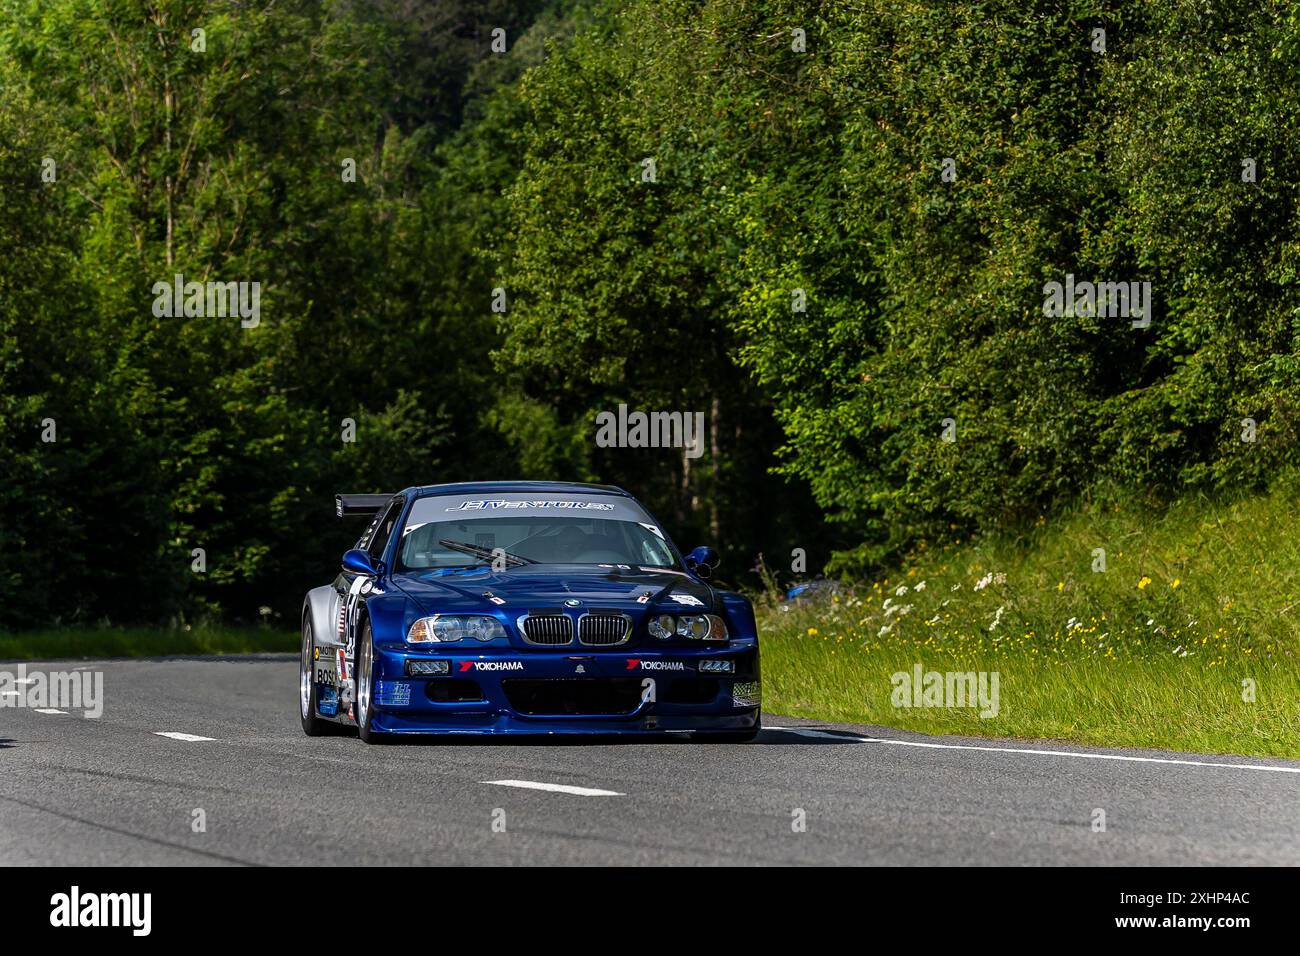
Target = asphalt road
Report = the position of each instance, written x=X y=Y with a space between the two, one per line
x=111 y=790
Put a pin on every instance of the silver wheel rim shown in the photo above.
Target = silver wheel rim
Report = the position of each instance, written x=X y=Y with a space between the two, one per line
x=363 y=683
x=304 y=674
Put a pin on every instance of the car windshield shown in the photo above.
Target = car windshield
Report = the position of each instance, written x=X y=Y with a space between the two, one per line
x=546 y=528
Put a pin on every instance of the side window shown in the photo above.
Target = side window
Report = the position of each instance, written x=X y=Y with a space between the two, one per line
x=383 y=529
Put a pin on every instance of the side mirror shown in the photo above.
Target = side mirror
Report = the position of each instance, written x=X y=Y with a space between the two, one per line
x=702 y=560
x=358 y=562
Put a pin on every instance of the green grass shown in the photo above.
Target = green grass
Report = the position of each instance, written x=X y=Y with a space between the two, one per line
x=1151 y=652
x=143 y=642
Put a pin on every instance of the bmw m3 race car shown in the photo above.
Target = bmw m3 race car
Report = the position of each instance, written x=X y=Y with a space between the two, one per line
x=529 y=608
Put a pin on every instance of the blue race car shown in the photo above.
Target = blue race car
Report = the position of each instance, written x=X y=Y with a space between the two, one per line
x=524 y=608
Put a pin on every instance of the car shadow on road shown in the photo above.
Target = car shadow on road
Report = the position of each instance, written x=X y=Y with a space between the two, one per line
x=778 y=737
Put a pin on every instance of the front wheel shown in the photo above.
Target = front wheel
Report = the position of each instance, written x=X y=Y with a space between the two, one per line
x=365 y=678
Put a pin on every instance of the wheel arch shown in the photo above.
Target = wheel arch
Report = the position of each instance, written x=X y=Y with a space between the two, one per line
x=320 y=608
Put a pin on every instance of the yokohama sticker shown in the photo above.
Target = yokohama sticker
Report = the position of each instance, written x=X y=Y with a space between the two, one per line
x=491 y=666
x=633 y=663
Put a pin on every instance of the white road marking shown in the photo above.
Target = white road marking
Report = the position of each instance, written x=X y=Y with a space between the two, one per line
x=806 y=732
x=1026 y=750
x=174 y=735
x=556 y=787
x=48 y=710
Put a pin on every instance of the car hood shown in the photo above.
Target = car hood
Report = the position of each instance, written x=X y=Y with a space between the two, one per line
x=535 y=587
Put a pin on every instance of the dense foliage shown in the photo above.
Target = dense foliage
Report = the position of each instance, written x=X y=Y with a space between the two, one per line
x=825 y=227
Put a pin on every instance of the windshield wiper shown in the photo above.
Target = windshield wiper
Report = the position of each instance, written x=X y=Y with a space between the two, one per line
x=487 y=554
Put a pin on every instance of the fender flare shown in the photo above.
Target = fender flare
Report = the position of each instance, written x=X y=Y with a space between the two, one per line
x=321 y=608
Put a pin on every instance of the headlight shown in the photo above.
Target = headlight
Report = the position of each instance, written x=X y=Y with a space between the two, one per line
x=695 y=627
x=662 y=626
x=450 y=628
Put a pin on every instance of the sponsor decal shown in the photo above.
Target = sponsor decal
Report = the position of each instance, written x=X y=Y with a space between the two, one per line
x=580 y=669
x=493 y=504
x=491 y=666
x=327 y=701
x=130 y=910
x=493 y=598
x=315 y=653
x=341 y=661
x=326 y=676
x=633 y=663
x=390 y=693
x=643 y=598
x=690 y=600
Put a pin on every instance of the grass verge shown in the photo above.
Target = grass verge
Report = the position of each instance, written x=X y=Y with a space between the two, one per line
x=1110 y=627
x=143 y=642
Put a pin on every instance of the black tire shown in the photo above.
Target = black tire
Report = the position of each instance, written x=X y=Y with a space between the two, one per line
x=312 y=725
x=363 y=675
x=728 y=736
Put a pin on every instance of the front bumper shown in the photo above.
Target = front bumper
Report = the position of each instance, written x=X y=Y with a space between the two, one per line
x=629 y=691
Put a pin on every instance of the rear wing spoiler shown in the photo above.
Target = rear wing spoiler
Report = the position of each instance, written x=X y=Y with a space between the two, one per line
x=368 y=505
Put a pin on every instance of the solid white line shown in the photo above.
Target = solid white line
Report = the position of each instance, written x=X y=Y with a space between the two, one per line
x=48 y=710
x=805 y=732
x=174 y=735
x=1026 y=750
x=555 y=787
